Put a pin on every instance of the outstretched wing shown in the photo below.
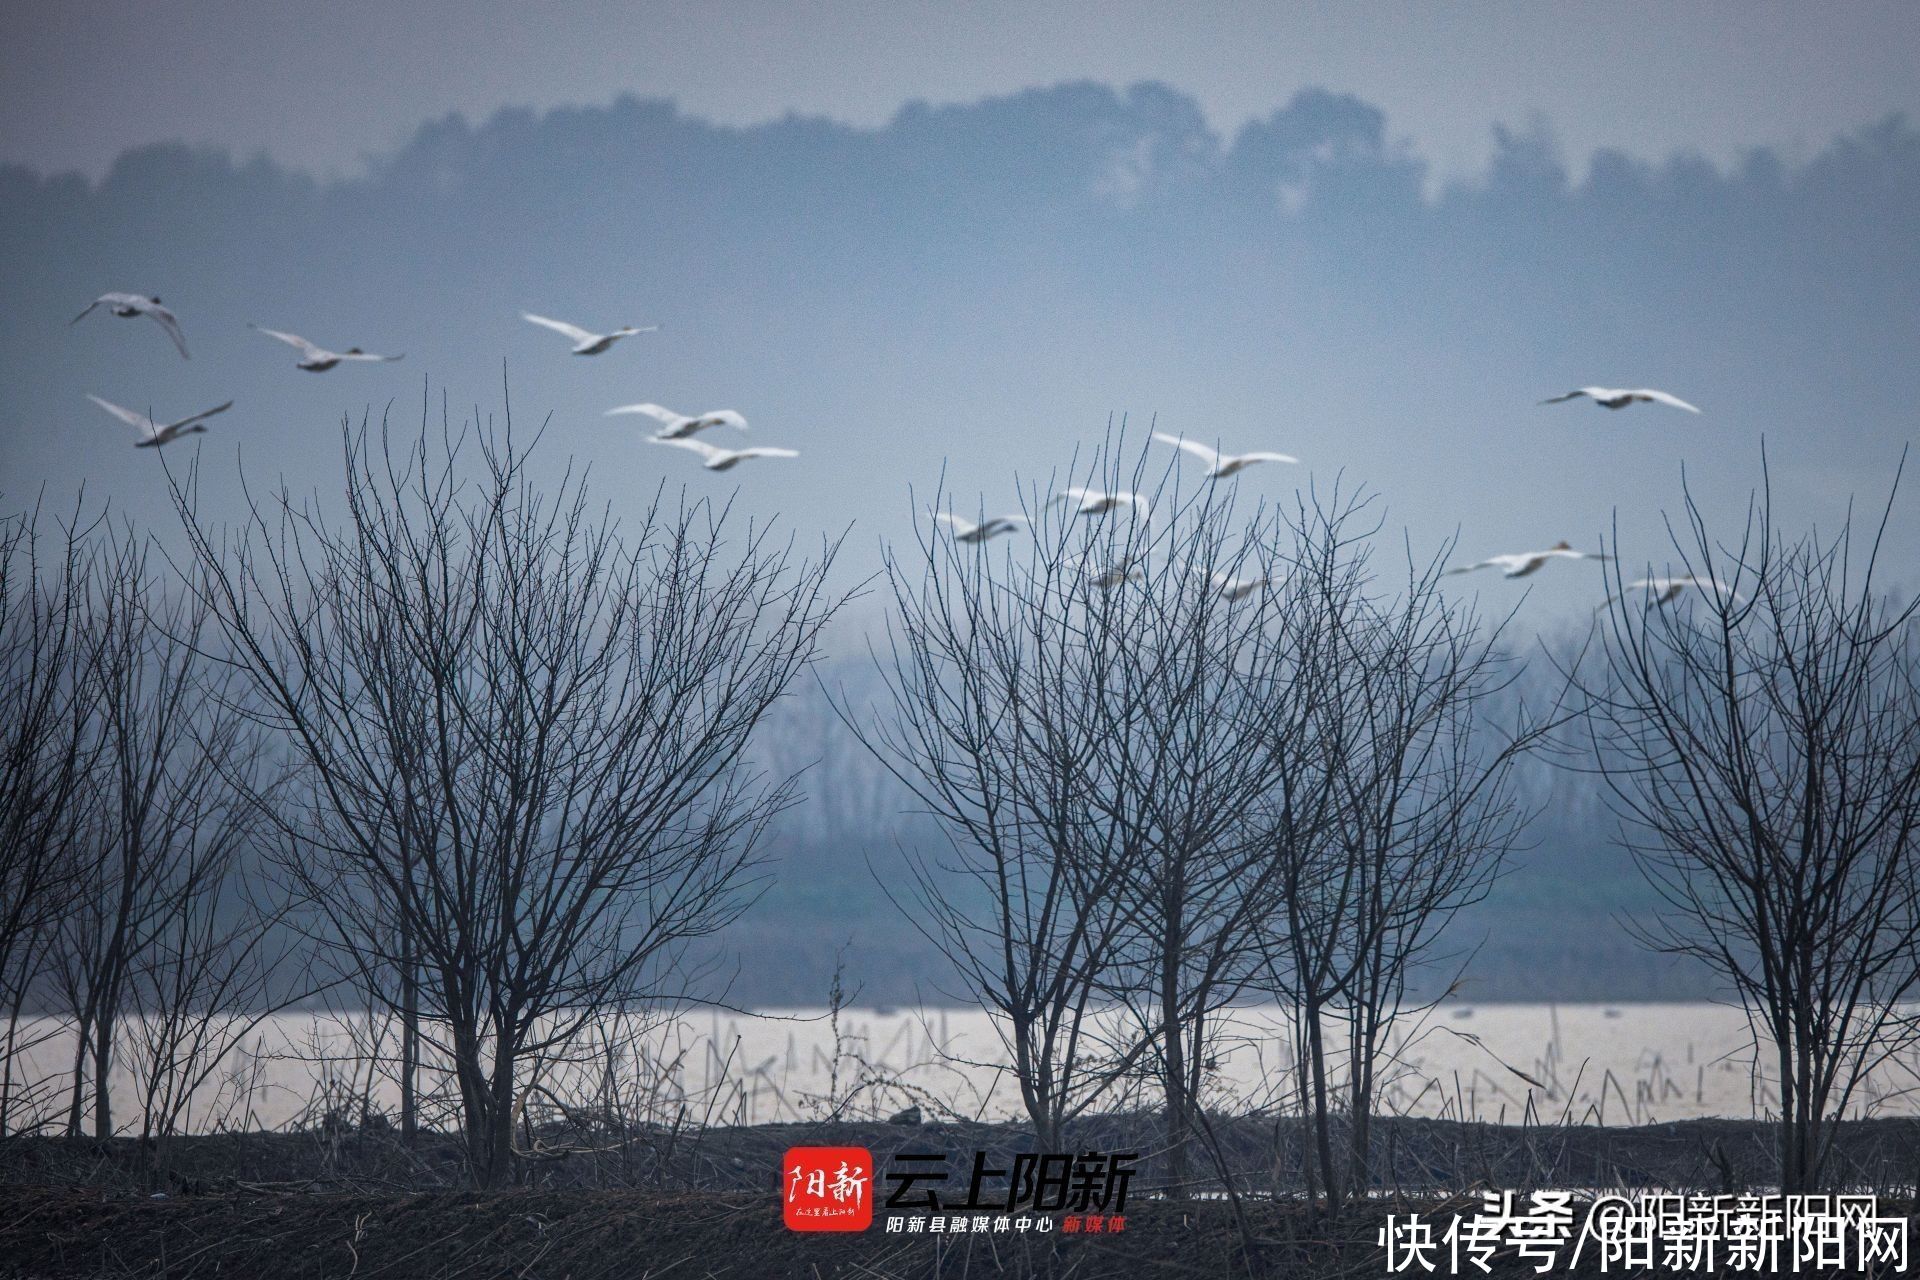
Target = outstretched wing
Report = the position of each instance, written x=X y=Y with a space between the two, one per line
x=1715 y=588
x=200 y=417
x=706 y=451
x=368 y=355
x=724 y=418
x=764 y=451
x=97 y=302
x=1660 y=589
x=659 y=413
x=960 y=526
x=1469 y=568
x=573 y=331
x=1209 y=456
x=1571 y=395
x=291 y=339
x=127 y=416
x=1661 y=397
x=171 y=324
x=1263 y=456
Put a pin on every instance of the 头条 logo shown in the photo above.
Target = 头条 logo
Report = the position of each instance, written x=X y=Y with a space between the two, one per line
x=827 y=1188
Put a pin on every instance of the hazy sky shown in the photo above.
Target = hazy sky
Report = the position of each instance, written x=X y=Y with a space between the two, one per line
x=958 y=301
x=322 y=86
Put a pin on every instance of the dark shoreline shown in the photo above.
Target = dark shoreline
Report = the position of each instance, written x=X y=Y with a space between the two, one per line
x=349 y=1202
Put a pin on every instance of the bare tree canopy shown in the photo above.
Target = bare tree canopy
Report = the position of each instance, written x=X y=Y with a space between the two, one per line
x=1182 y=753
x=1082 y=711
x=1759 y=731
x=1395 y=812
x=519 y=732
x=46 y=758
x=158 y=948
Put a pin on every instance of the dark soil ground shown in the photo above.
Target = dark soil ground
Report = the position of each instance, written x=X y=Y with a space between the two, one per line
x=360 y=1204
x=591 y=1235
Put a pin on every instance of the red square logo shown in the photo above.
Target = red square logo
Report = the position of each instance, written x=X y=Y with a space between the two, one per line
x=827 y=1188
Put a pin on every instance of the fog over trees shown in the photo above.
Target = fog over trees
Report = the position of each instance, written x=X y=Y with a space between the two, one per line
x=486 y=760
x=977 y=287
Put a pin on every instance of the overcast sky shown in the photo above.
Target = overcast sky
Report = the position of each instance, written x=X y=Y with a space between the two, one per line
x=323 y=86
x=911 y=331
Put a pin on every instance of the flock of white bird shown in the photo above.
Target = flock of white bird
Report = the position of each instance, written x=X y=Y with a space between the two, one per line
x=680 y=431
x=676 y=430
x=1219 y=466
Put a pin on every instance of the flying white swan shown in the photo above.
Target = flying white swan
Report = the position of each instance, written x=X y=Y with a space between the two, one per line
x=318 y=359
x=159 y=433
x=965 y=530
x=585 y=343
x=1232 y=588
x=1093 y=502
x=130 y=305
x=1108 y=576
x=1666 y=590
x=673 y=425
x=1220 y=465
x=718 y=459
x=1519 y=564
x=1617 y=398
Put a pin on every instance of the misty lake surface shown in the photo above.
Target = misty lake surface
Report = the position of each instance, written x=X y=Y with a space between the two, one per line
x=1581 y=1063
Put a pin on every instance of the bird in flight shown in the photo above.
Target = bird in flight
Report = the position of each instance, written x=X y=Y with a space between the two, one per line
x=675 y=426
x=965 y=530
x=159 y=433
x=585 y=343
x=1616 y=398
x=1519 y=564
x=1108 y=576
x=1232 y=588
x=718 y=459
x=1220 y=465
x=318 y=359
x=1666 y=590
x=1094 y=502
x=130 y=305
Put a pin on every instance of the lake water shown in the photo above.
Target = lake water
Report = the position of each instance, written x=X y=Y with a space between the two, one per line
x=1634 y=1063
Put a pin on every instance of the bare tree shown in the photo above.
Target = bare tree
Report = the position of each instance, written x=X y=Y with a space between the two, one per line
x=1429 y=814
x=1390 y=812
x=1092 y=715
x=168 y=817
x=217 y=963
x=1758 y=727
x=987 y=678
x=1315 y=889
x=520 y=733
x=46 y=744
